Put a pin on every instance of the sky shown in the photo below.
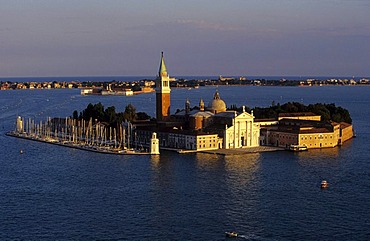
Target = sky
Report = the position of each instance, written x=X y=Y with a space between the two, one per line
x=57 y=38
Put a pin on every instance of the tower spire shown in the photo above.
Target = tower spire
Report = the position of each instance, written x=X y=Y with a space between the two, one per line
x=162 y=68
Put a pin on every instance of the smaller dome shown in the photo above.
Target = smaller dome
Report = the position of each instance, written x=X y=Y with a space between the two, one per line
x=217 y=104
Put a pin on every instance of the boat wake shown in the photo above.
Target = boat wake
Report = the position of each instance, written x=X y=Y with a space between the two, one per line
x=254 y=237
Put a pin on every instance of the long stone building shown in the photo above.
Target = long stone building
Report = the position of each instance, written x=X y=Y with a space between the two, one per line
x=305 y=129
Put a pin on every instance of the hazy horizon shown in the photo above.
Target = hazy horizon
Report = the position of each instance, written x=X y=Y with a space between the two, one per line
x=139 y=77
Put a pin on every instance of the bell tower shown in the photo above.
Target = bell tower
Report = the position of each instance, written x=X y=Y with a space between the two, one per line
x=163 y=90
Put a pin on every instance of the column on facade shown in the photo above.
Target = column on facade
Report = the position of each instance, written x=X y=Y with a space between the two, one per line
x=234 y=125
x=239 y=135
x=225 y=138
x=251 y=128
x=247 y=133
x=252 y=134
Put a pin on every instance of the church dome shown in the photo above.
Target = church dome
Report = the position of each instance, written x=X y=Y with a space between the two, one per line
x=217 y=105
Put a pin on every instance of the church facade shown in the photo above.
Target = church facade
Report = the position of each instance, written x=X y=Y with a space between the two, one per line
x=243 y=132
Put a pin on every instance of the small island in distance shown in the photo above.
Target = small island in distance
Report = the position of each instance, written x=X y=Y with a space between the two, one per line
x=147 y=85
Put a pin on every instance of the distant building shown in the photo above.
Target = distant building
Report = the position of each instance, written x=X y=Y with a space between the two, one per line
x=91 y=91
x=221 y=78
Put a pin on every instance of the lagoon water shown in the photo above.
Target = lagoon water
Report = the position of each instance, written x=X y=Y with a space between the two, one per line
x=55 y=193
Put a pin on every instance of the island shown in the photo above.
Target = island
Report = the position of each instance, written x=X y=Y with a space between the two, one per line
x=210 y=128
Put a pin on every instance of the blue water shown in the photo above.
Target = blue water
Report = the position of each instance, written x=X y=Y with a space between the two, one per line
x=56 y=193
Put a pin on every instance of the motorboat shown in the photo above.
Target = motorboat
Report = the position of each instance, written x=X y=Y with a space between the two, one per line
x=231 y=234
x=298 y=148
x=324 y=184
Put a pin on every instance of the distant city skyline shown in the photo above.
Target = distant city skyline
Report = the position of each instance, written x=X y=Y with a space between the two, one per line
x=198 y=38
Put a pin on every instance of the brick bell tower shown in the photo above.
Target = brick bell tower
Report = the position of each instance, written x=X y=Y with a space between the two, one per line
x=163 y=101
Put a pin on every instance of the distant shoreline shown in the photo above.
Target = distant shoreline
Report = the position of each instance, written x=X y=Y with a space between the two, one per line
x=138 y=85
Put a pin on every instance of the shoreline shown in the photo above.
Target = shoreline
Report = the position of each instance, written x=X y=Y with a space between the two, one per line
x=95 y=149
x=102 y=150
x=139 y=85
x=246 y=150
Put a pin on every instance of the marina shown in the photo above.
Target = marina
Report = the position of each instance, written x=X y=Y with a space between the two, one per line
x=81 y=135
x=98 y=149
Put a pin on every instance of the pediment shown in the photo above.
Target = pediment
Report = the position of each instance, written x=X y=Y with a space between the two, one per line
x=244 y=115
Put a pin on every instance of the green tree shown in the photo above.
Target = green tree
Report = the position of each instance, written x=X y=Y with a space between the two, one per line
x=130 y=113
x=99 y=111
x=320 y=109
x=88 y=112
x=110 y=114
x=142 y=116
x=75 y=115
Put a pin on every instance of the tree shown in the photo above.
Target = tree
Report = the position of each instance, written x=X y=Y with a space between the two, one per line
x=142 y=116
x=130 y=113
x=320 y=109
x=328 y=112
x=110 y=114
x=75 y=115
x=88 y=112
x=99 y=111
